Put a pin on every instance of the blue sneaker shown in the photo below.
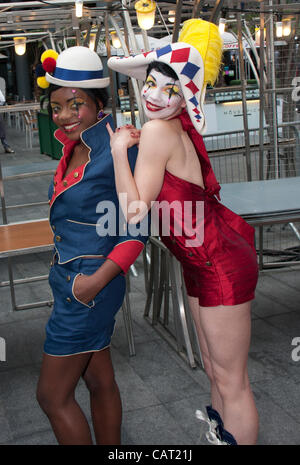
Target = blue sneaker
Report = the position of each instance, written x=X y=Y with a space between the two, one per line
x=224 y=437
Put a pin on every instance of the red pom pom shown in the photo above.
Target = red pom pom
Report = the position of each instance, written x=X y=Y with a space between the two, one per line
x=49 y=64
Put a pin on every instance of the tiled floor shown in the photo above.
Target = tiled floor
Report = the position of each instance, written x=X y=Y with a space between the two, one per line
x=160 y=392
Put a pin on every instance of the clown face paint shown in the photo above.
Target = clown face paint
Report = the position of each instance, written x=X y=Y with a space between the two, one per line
x=161 y=96
x=73 y=112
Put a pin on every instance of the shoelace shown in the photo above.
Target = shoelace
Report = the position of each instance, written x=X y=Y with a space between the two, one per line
x=216 y=434
x=211 y=434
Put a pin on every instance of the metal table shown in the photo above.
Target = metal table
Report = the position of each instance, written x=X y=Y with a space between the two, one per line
x=264 y=202
x=17 y=107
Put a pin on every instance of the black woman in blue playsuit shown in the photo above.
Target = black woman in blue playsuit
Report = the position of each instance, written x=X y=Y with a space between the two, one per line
x=87 y=275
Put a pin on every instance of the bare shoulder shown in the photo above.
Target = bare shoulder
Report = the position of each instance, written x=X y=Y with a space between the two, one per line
x=158 y=127
x=157 y=142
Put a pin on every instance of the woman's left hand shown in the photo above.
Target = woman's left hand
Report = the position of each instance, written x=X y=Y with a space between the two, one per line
x=84 y=288
x=126 y=136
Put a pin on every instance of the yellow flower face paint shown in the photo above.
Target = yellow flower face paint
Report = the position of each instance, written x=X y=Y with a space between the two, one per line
x=73 y=106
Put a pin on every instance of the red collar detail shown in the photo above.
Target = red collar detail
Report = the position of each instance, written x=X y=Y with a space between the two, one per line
x=60 y=182
x=61 y=137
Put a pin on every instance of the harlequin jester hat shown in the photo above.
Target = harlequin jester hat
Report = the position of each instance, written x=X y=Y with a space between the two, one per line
x=74 y=67
x=195 y=58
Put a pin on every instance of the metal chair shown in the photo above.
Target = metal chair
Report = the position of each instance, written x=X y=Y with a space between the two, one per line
x=31 y=127
x=164 y=276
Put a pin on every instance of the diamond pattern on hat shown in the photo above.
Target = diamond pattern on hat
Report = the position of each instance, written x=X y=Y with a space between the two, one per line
x=193 y=88
x=163 y=50
x=186 y=61
x=180 y=56
x=190 y=70
x=194 y=101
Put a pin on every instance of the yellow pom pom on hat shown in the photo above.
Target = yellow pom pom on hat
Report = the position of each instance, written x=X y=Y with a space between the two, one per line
x=196 y=64
x=49 y=54
x=42 y=83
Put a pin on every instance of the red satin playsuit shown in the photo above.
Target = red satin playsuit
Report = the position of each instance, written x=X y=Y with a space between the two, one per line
x=223 y=270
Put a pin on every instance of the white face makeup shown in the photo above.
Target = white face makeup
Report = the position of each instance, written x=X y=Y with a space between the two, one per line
x=161 y=96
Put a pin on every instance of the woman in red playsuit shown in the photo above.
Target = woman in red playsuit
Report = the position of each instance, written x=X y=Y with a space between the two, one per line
x=216 y=249
x=214 y=245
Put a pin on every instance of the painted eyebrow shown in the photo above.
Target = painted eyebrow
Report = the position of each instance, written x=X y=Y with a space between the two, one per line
x=150 y=75
x=167 y=84
x=69 y=100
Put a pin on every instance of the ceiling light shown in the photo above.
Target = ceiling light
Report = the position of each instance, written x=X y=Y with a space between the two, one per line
x=79 y=8
x=20 y=45
x=145 y=11
x=286 y=27
x=115 y=39
x=257 y=36
x=279 y=29
x=222 y=25
x=171 y=16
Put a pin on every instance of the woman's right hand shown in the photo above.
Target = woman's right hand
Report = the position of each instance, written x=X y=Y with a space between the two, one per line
x=124 y=137
x=85 y=288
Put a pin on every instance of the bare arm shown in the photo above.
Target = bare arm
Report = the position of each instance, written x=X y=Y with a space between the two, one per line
x=155 y=149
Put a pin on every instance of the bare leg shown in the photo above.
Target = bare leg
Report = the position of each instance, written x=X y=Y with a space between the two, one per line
x=227 y=333
x=216 y=400
x=105 y=398
x=56 y=396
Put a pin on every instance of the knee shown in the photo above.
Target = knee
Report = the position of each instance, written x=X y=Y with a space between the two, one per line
x=231 y=384
x=43 y=399
x=48 y=401
x=100 y=385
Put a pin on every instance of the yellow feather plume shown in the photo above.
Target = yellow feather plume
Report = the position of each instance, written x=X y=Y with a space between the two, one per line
x=205 y=37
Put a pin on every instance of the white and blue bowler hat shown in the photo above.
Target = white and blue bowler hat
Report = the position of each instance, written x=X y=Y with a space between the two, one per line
x=78 y=67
